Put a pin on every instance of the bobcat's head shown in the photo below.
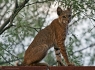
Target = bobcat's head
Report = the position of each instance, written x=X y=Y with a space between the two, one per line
x=64 y=15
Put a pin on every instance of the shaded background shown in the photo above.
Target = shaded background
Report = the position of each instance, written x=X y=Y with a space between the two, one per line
x=20 y=21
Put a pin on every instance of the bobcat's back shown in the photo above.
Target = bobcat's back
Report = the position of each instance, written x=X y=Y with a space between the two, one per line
x=44 y=36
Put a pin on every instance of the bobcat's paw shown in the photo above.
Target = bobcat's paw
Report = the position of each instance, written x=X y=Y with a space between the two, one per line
x=70 y=64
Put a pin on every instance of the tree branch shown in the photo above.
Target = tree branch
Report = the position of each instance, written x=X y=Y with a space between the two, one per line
x=3 y=57
x=39 y=2
x=6 y=28
x=84 y=48
x=11 y=18
x=1 y=7
x=2 y=16
x=9 y=53
x=10 y=61
x=15 y=12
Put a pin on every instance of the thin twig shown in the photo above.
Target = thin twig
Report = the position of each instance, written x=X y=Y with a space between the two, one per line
x=5 y=60
x=35 y=29
x=9 y=52
x=39 y=2
x=10 y=61
x=1 y=7
x=84 y=48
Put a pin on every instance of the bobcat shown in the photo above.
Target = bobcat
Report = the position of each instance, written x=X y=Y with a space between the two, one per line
x=52 y=35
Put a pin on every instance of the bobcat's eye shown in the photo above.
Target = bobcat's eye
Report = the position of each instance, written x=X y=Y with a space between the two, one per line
x=63 y=16
x=69 y=15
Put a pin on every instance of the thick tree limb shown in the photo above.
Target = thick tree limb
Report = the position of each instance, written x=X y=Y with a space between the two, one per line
x=15 y=12
x=11 y=18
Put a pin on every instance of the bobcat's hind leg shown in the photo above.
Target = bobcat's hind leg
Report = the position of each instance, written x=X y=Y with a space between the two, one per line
x=34 y=55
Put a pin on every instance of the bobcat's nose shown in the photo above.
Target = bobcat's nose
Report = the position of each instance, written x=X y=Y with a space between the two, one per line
x=69 y=21
x=64 y=21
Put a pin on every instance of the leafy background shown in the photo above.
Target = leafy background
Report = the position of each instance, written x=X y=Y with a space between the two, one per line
x=37 y=14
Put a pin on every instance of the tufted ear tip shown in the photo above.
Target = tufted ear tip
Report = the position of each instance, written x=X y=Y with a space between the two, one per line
x=69 y=8
x=59 y=11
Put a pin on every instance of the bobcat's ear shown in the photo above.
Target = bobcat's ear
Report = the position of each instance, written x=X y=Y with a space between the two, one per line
x=59 y=11
x=69 y=9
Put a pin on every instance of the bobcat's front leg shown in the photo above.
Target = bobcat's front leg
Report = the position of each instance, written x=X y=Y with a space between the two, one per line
x=61 y=45
x=58 y=56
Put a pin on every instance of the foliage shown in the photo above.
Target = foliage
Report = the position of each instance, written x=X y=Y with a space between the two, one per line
x=34 y=16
